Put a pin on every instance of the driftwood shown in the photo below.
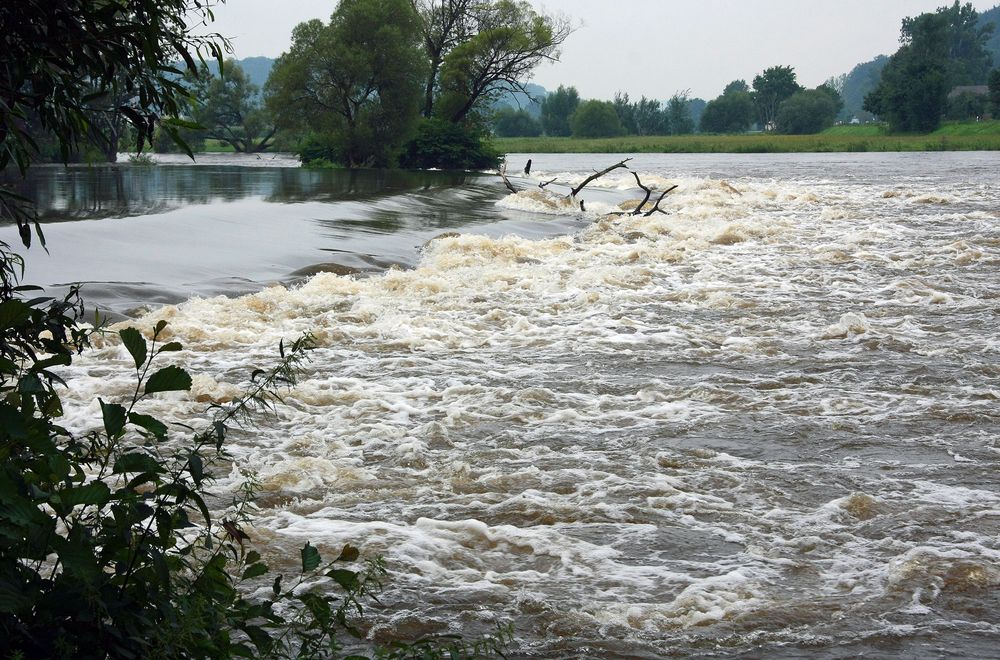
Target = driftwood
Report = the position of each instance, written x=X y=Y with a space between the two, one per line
x=503 y=175
x=638 y=210
x=597 y=175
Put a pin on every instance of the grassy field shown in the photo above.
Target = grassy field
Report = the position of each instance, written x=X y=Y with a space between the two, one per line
x=952 y=136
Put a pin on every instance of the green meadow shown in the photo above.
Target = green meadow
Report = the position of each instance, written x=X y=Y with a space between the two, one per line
x=952 y=136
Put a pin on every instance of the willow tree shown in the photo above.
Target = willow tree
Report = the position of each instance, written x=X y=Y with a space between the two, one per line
x=355 y=82
x=479 y=49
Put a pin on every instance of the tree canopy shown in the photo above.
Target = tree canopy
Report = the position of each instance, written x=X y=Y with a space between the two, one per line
x=557 y=108
x=730 y=113
x=808 y=111
x=772 y=87
x=355 y=81
x=939 y=50
x=478 y=49
x=594 y=119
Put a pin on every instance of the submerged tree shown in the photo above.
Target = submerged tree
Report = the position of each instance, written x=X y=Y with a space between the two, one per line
x=355 y=82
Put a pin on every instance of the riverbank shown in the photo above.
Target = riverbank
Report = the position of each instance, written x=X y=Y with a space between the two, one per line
x=952 y=136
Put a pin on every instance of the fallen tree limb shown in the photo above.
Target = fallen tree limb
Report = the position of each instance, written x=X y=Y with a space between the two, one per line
x=545 y=183
x=645 y=199
x=503 y=175
x=656 y=207
x=597 y=175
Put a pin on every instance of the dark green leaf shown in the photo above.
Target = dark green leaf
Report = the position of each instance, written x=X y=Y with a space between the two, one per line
x=196 y=467
x=135 y=343
x=347 y=579
x=168 y=379
x=137 y=461
x=310 y=558
x=96 y=493
x=169 y=346
x=151 y=424
x=276 y=587
x=254 y=570
x=114 y=418
x=13 y=313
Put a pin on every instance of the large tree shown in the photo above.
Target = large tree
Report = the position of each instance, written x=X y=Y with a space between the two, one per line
x=479 y=49
x=994 y=92
x=230 y=108
x=596 y=119
x=356 y=82
x=770 y=88
x=730 y=113
x=557 y=108
x=808 y=111
x=939 y=50
x=680 y=114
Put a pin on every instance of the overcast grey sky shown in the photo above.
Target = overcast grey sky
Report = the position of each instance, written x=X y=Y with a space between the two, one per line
x=657 y=47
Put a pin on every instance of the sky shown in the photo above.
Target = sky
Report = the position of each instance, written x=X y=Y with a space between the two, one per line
x=657 y=47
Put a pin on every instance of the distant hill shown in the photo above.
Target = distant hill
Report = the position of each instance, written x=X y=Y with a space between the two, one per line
x=530 y=102
x=862 y=79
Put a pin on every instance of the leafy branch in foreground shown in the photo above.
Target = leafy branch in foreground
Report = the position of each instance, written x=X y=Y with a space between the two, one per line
x=107 y=543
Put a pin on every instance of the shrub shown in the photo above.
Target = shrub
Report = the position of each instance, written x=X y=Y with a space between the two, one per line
x=450 y=146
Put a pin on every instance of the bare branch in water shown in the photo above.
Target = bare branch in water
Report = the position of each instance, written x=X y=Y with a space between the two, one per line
x=597 y=175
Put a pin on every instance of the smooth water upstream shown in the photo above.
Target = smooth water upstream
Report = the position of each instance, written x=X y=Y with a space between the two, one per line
x=765 y=424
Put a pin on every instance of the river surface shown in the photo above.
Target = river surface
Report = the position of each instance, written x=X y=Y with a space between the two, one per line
x=764 y=424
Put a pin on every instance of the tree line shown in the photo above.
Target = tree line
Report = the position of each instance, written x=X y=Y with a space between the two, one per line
x=944 y=59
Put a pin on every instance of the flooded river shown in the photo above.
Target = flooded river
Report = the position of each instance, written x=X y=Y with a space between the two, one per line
x=764 y=424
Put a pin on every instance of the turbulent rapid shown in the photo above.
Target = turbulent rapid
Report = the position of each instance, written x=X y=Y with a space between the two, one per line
x=762 y=424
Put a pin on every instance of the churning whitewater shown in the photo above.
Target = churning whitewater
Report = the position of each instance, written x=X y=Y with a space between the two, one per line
x=764 y=423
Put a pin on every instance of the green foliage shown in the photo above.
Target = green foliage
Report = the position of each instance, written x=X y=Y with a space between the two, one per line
x=993 y=85
x=229 y=108
x=355 y=82
x=940 y=50
x=808 y=111
x=967 y=106
x=119 y=63
x=477 y=50
x=106 y=539
x=593 y=119
x=736 y=86
x=771 y=88
x=679 y=114
x=557 y=108
x=730 y=113
x=515 y=123
x=447 y=145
